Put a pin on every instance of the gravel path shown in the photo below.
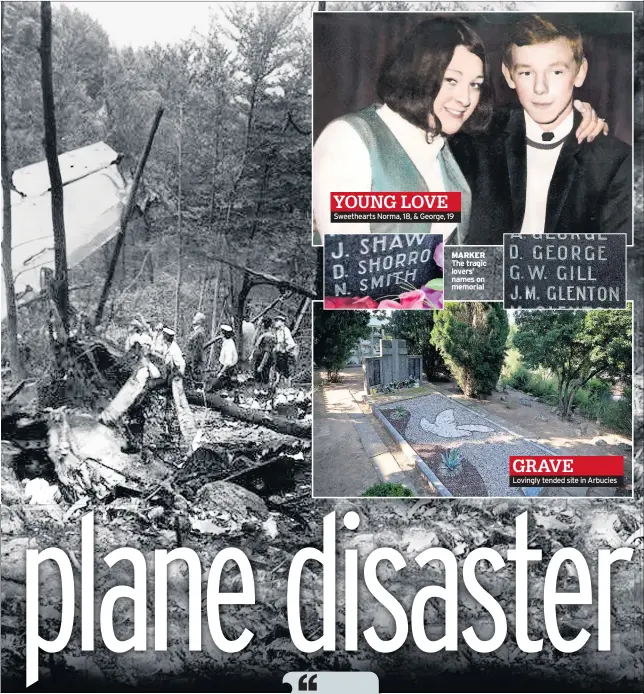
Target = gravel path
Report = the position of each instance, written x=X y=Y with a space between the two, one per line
x=488 y=451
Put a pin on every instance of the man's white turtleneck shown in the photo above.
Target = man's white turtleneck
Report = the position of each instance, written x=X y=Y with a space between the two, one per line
x=541 y=165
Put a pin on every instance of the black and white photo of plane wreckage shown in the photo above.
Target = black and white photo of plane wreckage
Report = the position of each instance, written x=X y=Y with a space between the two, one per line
x=51 y=426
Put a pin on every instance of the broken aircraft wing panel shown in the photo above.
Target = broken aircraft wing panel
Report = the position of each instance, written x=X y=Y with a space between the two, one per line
x=93 y=205
x=34 y=180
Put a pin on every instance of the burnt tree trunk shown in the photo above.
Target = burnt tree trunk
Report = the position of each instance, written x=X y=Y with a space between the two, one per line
x=301 y=313
x=57 y=213
x=215 y=168
x=242 y=296
x=243 y=293
x=7 y=269
x=247 y=283
x=213 y=318
x=177 y=296
x=148 y=239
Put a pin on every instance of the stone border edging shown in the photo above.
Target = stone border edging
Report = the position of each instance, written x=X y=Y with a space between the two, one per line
x=412 y=455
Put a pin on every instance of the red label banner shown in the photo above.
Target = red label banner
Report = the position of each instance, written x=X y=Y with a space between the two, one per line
x=571 y=466
x=396 y=202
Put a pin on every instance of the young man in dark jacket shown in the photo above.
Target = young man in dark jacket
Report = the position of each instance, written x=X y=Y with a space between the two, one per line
x=530 y=174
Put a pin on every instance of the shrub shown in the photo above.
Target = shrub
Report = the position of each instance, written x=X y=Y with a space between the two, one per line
x=597 y=389
x=584 y=403
x=616 y=414
x=335 y=335
x=520 y=378
x=416 y=328
x=452 y=459
x=388 y=489
x=511 y=364
x=542 y=387
x=472 y=338
x=575 y=346
x=399 y=413
x=613 y=414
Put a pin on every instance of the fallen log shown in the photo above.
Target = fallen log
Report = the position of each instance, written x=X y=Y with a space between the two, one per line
x=108 y=357
x=265 y=278
x=275 y=423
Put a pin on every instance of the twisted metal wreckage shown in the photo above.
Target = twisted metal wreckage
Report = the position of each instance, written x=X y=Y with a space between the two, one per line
x=85 y=452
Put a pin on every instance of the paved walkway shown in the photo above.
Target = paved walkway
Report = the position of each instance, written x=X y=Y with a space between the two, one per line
x=348 y=454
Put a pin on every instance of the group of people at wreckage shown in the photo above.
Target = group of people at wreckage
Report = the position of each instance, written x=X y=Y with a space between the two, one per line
x=158 y=355
x=272 y=356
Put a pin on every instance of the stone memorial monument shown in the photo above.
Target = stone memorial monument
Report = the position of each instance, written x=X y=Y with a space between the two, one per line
x=392 y=366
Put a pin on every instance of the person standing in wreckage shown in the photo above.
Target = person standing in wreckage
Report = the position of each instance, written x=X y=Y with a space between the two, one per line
x=263 y=356
x=227 y=357
x=194 y=351
x=173 y=358
x=174 y=371
x=285 y=352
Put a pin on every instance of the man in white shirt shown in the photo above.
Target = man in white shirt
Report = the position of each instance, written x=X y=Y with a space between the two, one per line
x=173 y=359
x=542 y=157
x=175 y=369
x=227 y=356
x=285 y=351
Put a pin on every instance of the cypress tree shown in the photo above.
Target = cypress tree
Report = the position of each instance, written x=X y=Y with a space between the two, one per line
x=472 y=339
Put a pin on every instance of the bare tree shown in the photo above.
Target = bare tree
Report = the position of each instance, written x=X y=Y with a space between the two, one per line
x=264 y=39
x=12 y=314
x=177 y=296
x=61 y=292
x=125 y=217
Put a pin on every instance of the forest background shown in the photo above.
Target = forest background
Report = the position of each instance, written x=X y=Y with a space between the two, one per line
x=228 y=175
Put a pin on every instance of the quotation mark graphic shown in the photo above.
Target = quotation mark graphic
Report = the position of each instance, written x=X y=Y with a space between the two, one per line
x=333 y=682
x=308 y=683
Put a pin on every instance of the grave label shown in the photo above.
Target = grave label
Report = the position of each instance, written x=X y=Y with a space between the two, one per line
x=565 y=271
x=378 y=265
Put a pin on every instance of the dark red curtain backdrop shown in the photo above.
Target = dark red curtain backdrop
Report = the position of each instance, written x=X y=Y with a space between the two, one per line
x=350 y=47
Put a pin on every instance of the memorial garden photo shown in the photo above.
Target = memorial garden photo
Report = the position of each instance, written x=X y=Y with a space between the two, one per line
x=434 y=403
